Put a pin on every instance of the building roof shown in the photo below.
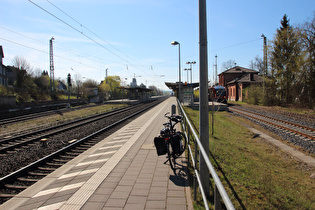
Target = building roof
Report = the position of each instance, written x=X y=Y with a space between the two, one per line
x=1 y=52
x=238 y=69
x=174 y=86
x=248 y=78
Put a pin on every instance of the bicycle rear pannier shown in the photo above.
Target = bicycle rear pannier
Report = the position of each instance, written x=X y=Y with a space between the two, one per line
x=175 y=142
x=160 y=145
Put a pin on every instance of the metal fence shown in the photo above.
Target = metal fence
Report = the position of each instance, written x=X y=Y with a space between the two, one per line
x=219 y=191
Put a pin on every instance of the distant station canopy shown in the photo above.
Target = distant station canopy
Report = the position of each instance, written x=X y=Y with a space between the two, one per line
x=138 y=92
x=187 y=90
x=174 y=86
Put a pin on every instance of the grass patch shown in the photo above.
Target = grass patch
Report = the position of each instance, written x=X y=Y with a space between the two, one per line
x=60 y=117
x=256 y=175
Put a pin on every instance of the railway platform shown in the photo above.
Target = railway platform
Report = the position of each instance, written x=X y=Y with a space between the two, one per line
x=216 y=106
x=121 y=172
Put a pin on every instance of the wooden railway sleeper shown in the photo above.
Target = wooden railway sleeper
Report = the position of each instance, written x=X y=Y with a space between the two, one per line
x=22 y=179
x=18 y=187
x=18 y=141
x=67 y=156
x=36 y=174
x=83 y=147
x=2 y=195
x=73 y=153
x=88 y=144
x=55 y=164
x=77 y=150
x=46 y=168
x=60 y=160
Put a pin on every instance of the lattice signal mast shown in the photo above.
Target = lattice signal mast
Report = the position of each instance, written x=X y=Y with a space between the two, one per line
x=51 y=56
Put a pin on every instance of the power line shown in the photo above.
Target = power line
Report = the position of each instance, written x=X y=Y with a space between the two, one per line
x=23 y=45
x=94 y=33
x=45 y=43
x=83 y=33
x=235 y=45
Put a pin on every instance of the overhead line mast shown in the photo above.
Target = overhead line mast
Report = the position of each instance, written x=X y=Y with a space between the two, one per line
x=52 y=74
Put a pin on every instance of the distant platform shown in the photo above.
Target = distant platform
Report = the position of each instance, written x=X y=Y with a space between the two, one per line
x=216 y=106
x=132 y=101
x=119 y=101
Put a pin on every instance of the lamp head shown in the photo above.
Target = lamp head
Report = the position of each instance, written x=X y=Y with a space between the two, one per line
x=174 y=43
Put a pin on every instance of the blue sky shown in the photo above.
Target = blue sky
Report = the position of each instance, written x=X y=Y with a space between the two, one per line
x=132 y=37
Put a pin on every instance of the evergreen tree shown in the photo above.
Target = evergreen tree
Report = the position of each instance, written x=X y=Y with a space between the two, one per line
x=285 y=59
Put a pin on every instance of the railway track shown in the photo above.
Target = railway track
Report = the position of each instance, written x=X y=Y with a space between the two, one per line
x=38 y=114
x=27 y=117
x=17 y=181
x=22 y=140
x=306 y=135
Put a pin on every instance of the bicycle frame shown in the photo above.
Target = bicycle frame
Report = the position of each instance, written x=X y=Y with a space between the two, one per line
x=169 y=126
x=174 y=141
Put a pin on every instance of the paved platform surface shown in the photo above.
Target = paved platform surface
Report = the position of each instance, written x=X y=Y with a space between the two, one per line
x=121 y=172
x=216 y=106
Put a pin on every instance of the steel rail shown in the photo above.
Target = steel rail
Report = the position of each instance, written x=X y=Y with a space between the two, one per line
x=53 y=130
x=283 y=121
x=274 y=124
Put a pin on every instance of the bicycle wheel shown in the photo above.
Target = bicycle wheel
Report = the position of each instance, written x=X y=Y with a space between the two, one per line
x=170 y=156
x=183 y=142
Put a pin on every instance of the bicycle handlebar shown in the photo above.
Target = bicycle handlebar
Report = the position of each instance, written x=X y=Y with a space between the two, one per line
x=175 y=117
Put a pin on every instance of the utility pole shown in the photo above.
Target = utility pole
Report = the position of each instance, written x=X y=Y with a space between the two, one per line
x=106 y=76
x=265 y=61
x=203 y=96
x=52 y=74
x=216 y=70
x=69 y=85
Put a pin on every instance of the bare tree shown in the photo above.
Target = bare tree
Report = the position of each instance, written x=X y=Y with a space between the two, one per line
x=78 y=84
x=257 y=64
x=37 y=72
x=228 y=64
x=22 y=64
x=306 y=76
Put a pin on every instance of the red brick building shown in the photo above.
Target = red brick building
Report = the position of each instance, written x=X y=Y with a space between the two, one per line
x=236 y=79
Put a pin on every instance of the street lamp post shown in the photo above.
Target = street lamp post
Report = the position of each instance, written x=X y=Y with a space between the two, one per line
x=191 y=63
x=179 y=84
x=187 y=74
x=192 y=92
